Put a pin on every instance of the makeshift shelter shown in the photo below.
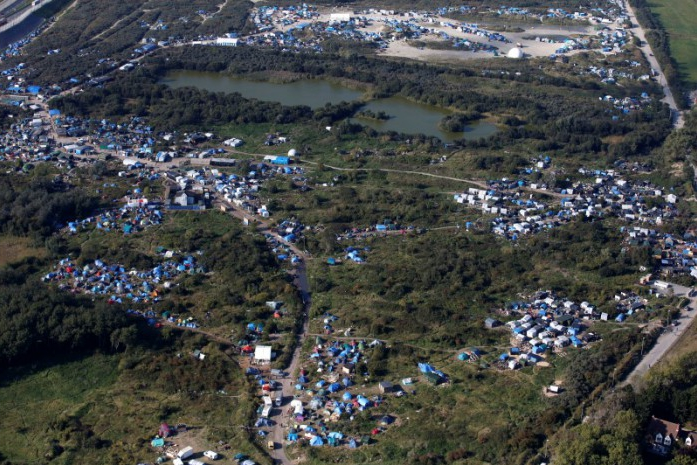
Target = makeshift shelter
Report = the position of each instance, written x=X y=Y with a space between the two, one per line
x=334 y=387
x=262 y=354
x=165 y=431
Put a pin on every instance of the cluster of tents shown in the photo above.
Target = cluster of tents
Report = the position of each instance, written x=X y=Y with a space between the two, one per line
x=115 y=281
x=332 y=438
x=129 y=219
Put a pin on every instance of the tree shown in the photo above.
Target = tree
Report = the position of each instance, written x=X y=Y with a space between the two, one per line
x=124 y=337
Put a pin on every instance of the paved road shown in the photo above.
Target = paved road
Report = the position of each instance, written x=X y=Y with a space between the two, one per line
x=14 y=20
x=666 y=340
x=678 y=118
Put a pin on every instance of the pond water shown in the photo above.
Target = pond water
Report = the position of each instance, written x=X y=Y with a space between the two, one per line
x=417 y=118
x=406 y=116
x=310 y=92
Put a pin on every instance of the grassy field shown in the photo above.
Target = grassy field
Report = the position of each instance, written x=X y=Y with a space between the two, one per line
x=679 y=17
x=105 y=409
x=15 y=249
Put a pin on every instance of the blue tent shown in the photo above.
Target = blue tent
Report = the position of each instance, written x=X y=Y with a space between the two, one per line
x=463 y=356
x=303 y=379
x=425 y=368
x=347 y=382
x=316 y=441
x=347 y=396
x=334 y=387
x=292 y=437
x=352 y=444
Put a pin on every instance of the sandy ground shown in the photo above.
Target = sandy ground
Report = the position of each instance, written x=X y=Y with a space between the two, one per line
x=530 y=47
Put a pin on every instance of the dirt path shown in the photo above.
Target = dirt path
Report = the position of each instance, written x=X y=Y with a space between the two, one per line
x=666 y=340
x=278 y=416
x=474 y=182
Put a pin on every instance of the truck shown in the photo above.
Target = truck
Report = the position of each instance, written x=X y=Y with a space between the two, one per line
x=185 y=453
x=266 y=412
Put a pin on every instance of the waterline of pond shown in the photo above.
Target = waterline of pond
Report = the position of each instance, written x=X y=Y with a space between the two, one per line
x=405 y=116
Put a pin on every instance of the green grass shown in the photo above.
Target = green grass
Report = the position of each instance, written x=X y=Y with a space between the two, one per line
x=106 y=408
x=679 y=17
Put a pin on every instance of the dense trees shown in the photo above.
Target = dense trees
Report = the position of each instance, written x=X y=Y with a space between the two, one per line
x=37 y=320
x=592 y=445
x=36 y=207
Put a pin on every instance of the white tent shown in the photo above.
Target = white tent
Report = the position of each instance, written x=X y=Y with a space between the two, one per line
x=515 y=52
x=262 y=354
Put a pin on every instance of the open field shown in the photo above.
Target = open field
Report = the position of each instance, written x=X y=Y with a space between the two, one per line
x=105 y=409
x=679 y=18
x=17 y=248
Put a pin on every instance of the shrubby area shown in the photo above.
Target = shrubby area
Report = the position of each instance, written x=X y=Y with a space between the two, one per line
x=36 y=207
x=38 y=320
x=540 y=111
x=102 y=29
x=614 y=433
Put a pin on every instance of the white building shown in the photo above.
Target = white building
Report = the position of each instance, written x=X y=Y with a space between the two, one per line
x=262 y=354
x=227 y=41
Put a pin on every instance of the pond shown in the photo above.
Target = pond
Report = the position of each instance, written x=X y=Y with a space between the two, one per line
x=418 y=118
x=314 y=93
x=406 y=116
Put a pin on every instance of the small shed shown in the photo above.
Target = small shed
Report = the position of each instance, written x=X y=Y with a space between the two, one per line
x=385 y=386
x=490 y=323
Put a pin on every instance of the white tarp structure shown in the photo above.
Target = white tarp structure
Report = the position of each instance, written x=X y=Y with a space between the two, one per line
x=262 y=354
